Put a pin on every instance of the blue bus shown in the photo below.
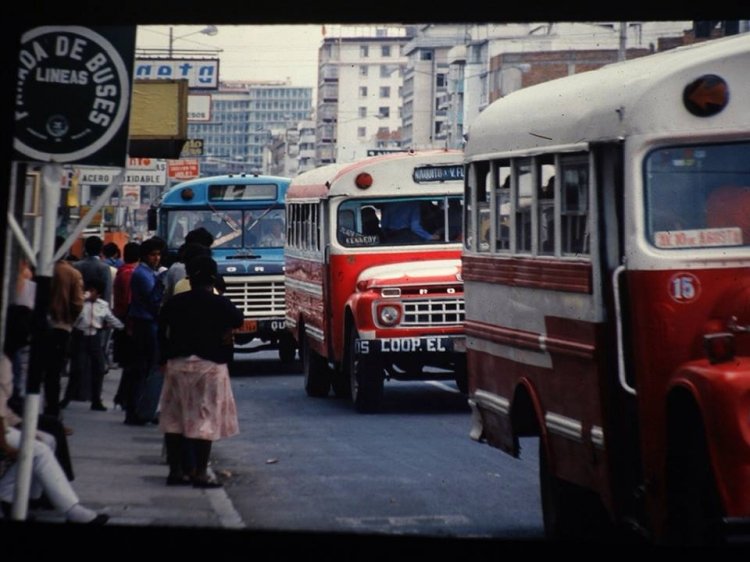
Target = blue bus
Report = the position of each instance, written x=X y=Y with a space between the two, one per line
x=245 y=214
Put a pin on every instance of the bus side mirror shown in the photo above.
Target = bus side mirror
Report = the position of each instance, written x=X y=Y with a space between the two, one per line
x=151 y=218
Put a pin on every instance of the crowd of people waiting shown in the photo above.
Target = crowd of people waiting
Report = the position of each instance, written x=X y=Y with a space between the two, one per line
x=168 y=329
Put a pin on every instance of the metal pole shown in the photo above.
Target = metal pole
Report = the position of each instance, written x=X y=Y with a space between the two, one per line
x=171 y=40
x=51 y=188
x=622 y=52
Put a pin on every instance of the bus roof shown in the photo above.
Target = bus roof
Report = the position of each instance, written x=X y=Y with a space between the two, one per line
x=393 y=171
x=230 y=179
x=638 y=96
x=199 y=185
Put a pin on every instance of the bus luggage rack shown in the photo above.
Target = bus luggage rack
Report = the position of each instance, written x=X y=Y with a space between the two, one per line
x=259 y=298
x=433 y=312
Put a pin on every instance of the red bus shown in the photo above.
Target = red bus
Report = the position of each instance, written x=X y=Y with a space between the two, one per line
x=373 y=273
x=608 y=291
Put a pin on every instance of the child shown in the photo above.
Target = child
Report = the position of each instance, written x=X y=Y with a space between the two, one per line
x=87 y=353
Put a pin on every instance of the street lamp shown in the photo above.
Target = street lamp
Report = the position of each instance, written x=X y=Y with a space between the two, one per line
x=209 y=30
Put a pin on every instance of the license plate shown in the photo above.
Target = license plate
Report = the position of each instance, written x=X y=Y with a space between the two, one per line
x=248 y=326
x=435 y=344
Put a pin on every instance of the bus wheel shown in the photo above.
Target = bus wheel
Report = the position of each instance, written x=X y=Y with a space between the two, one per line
x=570 y=512
x=366 y=380
x=315 y=368
x=462 y=379
x=287 y=348
x=694 y=513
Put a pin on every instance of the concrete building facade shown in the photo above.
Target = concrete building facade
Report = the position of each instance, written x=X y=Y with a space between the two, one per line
x=360 y=75
x=243 y=119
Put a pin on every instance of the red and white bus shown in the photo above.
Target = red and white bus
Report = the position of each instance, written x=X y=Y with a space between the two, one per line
x=366 y=300
x=607 y=277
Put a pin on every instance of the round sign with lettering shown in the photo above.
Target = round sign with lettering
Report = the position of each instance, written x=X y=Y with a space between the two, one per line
x=72 y=92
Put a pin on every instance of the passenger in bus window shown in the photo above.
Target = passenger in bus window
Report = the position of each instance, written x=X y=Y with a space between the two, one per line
x=401 y=222
x=223 y=226
x=370 y=222
x=274 y=236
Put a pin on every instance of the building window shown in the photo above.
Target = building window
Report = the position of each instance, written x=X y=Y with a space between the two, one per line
x=425 y=55
x=361 y=132
x=384 y=111
x=385 y=91
x=441 y=81
x=385 y=51
x=364 y=51
x=363 y=69
x=363 y=91
x=362 y=112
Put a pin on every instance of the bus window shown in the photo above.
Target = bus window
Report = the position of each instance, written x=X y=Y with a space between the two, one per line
x=477 y=209
x=574 y=208
x=698 y=196
x=225 y=226
x=502 y=204
x=369 y=222
x=546 y=207
x=269 y=228
x=523 y=206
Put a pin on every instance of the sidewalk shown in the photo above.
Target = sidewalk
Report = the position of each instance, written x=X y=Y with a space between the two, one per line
x=119 y=470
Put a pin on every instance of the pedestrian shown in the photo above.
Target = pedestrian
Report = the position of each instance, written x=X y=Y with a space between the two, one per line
x=176 y=271
x=65 y=305
x=123 y=353
x=92 y=266
x=197 y=404
x=112 y=255
x=47 y=476
x=88 y=362
x=146 y=292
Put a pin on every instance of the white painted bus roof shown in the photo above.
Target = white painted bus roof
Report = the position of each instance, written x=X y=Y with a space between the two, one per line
x=393 y=171
x=638 y=96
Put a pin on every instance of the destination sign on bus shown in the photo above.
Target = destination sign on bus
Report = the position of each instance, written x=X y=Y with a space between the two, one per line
x=242 y=192
x=427 y=174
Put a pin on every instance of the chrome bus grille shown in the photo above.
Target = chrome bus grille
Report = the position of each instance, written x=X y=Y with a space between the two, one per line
x=257 y=297
x=433 y=312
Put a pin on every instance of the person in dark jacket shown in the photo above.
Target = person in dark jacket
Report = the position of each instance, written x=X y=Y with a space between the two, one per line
x=197 y=405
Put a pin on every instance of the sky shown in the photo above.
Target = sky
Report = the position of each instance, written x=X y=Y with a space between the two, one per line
x=248 y=52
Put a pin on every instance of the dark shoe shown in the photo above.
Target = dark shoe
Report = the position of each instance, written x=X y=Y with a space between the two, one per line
x=64 y=404
x=99 y=407
x=178 y=480
x=100 y=519
x=134 y=421
x=206 y=482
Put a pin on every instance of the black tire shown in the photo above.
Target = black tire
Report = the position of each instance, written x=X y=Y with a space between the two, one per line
x=366 y=379
x=287 y=349
x=694 y=512
x=316 y=371
x=570 y=512
x=462 y=379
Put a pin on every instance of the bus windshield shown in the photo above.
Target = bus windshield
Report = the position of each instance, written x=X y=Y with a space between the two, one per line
x=400 y=221
x=232 y=229
x=698 y=196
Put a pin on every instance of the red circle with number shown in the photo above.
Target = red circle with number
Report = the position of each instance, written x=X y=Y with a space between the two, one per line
x=684 y=288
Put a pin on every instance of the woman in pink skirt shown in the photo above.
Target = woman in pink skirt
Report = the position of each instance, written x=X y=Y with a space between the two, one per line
x=197 y=405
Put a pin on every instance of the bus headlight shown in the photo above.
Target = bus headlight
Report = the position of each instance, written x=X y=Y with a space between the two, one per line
x=389 y=314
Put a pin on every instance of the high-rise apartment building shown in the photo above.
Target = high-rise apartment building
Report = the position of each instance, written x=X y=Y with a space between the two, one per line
x=243 y=118
x=360 y=75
